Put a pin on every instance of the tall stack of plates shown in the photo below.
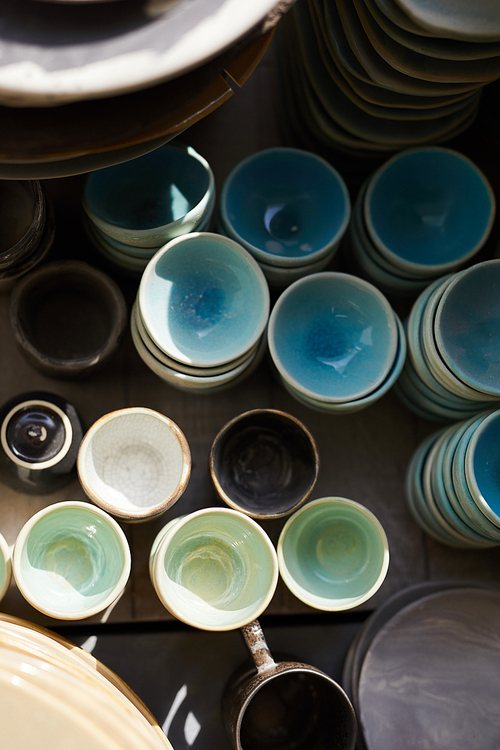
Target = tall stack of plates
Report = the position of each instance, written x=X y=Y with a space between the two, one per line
x=369 y=77
x=87 y=85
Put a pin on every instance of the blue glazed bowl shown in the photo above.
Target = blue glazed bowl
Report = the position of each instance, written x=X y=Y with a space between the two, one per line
x=467 y=327
x=287 y=206
x=149 y=200
x=333 y=337
x=203 y=299
x=482 y=465
x=429 y=210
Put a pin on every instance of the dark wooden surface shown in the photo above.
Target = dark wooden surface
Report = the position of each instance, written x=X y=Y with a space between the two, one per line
x=363 y=455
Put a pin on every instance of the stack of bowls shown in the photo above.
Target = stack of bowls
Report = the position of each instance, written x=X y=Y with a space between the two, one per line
x=451 y=486
x=27 y=229
x=289 y=208
x=423 y=213
x=133 y=209
x=452 y=369
x=200 y=313
x=335 y=341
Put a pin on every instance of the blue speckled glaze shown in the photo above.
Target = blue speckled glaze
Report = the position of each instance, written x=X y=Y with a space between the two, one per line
x=285 y=202
x=467 y=326
x=430 y=206
x=333 y=336
x=150 y=191
x=486 y=462
x=203 y=299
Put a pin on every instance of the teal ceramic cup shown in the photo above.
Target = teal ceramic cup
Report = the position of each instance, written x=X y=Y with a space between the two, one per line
x=5 y=566
x=214 y=569
x=71 y=560
x=333 y=554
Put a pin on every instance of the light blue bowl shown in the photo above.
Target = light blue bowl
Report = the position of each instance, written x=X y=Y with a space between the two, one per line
x=482 y=466
x=203 y=299
x=287 y=206
x=333 y=337
x=467 y=327
x=333 y=554
x=429 y=208
x=149 y=200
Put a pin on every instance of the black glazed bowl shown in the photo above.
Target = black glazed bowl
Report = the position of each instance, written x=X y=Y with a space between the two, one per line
x=68 y=318
x=264 y=463
x=22 y=220
x=40 y=434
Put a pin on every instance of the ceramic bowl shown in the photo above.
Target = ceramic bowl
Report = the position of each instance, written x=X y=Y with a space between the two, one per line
x=466 y=327
x=203 y=299
x=333 y=554
x=68 y=318
x=214 y=569
x=333 y=337
x=71 y=560
x=429 y=210
x=152 y=199
x=264 y=463
x=481 y=466
x=23 y=214
x=289 y=207
x=134 y=463
x=5 y=566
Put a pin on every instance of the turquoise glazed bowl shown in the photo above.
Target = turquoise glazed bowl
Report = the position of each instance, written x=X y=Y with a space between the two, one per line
x=214 y=569
x=288 y=206
x=203 y=299
x=429 y=209
x=482 y=465
x=151 y=199
x=333 y=554
x=71 y=560
x=467 y=327
x=333 y=337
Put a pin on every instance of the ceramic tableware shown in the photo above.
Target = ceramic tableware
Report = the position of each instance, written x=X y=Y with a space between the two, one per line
x=481 y=460
x=5 y=566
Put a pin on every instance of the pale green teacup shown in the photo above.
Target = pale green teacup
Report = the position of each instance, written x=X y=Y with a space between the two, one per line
x=333 y=554
x=5 y=566
x=214 y=569
x=71 y=560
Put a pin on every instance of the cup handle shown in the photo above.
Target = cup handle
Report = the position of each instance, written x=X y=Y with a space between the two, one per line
x=256 y=644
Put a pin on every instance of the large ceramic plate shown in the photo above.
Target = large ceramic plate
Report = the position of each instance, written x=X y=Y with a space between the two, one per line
x=52 y=54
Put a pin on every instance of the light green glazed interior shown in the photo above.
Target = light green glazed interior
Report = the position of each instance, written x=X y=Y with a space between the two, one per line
x=72 y=560
x=218 y=571
x=332 y=554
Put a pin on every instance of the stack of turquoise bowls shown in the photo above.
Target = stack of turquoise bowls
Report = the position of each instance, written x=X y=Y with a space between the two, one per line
x=452 y=370
x=451 y=483
x=423 y=213
x=132 y=209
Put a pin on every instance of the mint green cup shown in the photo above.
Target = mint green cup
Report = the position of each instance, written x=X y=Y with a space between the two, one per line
x=71 y=560
x=214 y=569
x=5 y=566
x=333 y=554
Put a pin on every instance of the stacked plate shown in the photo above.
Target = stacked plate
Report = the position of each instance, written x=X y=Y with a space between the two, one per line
x=425 y=212
x=200 y=314
x=86 y=86
x=68 y=696
x=423 y=669
x=369 y=77
x=452 y=369
x=335 y=341
x=133 y=209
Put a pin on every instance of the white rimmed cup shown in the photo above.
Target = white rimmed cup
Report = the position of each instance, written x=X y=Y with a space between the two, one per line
x=71 y=560
x=5 y=566
x=214 y=569
x=134 y=463
x=333 y=554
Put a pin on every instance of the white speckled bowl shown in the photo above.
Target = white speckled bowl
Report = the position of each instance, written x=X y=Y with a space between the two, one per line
x=134 y=463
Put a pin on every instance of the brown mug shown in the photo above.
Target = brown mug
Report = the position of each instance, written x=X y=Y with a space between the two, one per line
x=285 y=704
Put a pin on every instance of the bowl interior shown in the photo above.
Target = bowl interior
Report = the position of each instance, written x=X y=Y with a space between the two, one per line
x=71 y=561
x=430 y=207
x=148 y=192
x=286 y=202
x=132 y=463
x=483 y=460
x=467 y=327
x=332 y=554
x=333 y=336
x=218 y=570
x=204 y=300
x=264 y=463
